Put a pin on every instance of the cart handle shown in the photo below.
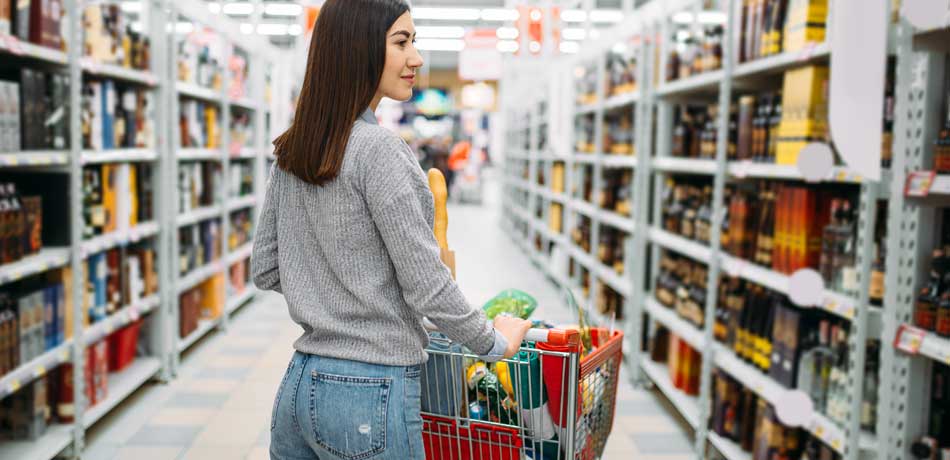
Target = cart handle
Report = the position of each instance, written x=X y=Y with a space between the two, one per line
x=557 y=337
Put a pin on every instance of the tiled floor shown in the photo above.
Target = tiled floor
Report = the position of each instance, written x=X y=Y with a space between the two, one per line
x=219 y=406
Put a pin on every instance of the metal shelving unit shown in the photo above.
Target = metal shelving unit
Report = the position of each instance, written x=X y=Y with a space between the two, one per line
x=160 y=342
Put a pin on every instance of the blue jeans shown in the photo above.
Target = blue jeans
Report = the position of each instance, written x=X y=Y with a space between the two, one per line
x=333 y=409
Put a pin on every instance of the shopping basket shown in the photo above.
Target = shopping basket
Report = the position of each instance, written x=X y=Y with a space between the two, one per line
x=529 y=416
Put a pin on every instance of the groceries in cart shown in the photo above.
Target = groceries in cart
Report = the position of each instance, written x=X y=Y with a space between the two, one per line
x=521 y=407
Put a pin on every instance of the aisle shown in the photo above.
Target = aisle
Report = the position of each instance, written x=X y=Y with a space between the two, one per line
x=219 y=407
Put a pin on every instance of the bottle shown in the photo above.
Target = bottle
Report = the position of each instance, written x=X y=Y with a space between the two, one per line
x=704 y=216
x=847 y=274
x=775 y=119
x=925 y=309
x=869 y=399
x=942 y=324
x=942 y=150
x=680 y=134
x=766 y=227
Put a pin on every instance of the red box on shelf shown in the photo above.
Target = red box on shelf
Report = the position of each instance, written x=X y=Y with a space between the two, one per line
x=100 y=370
x=122 y=345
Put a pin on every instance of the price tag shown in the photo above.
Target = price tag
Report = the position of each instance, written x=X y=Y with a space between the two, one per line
x=807 y=52
x=134 y=315
x=909 y=339
x=63 y=355
x=740 y=169
x=836 y=444
x=3 y=41
x=819 y=431
x=919 y=183
x=109 y=327
x=17 y=274
x=39 y=371
x=734 y=267
x=13 y=161
x=14 y=386
x=13 y=44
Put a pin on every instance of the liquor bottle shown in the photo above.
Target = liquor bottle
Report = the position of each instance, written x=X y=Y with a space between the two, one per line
x=942 y=150
x=775 y=119
x=681 y=140
x=887 y=137
x=744 y=127
x=925 y=309
x=846 y=273
x=704 y=216
x=828 y=243
x=766 y=227
x=942 y=323
x=869 y=399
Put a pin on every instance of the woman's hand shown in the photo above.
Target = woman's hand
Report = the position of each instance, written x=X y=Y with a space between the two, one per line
x=514 y=330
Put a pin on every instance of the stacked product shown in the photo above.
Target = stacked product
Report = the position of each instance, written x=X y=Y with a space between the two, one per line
x=33 y=110
x=116 y=116
x=117 y=197
x=110 y=39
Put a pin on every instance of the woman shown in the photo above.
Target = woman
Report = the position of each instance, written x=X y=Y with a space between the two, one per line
x=345 y=235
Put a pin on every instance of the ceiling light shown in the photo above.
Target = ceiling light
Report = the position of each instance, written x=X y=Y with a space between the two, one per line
x=506 y=33
x=507 y=46
x=440 y=44
x=272 y=29
x=184 y=27
x=295 y=29
x=570 y=47
x=573 y=34
x=247 y=29
x=131 y=7
x=137 y=27
x=574 y=16
x=499 y=14
x=606 y=16
x=238 y=9
x=447 y=14
x=704 y=17
x=619 y=48
x=440 y=32
x=214 y=7
x=283 y=9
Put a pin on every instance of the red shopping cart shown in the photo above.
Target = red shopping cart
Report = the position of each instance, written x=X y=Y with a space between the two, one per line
x=527 y=413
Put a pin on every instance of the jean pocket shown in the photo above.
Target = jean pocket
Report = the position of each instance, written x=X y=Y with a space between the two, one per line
x=280 y=392
x=349 y=414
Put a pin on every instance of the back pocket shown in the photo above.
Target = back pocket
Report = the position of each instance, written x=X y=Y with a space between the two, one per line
x=349 y=414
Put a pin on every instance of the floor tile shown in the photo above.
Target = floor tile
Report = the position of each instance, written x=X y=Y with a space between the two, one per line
x=197 y=399
x=641 y=407
x=662 y=443
x=224 y=373
x=644 y=424
x=214 y=453
x=152 y=435
x=259 y=453
x=234 y=428
x=148 y=453
x=177 y=416
x=101 y=451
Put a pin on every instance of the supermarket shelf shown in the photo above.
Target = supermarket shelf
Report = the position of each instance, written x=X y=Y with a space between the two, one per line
x=246 y=153
x=584 y=207
x=685 y=165
x=619 y=161
x=587 y=109
x=839 y=174
x=701 y=83
x=119 y=238
x=689 y=248
x=34 y=158
x=238 y=300
x=242 y=202
x=245 y=103
x=121 y=385
x=197 y=92
x=240 y=253
x=518 y=154
x=197 y=215
x=11 y=45
x=198 y=154
x=198 y=275
x=116 y=72
x=770 y=390
x=97 y=331
x=46 y=259
x=204 y=326
x=606 y=274
x=621 y=100
x=929 y=344
x=550 y=194
x=729 y=449
x=616 y=220
x=687 y=405
x=54 y=441
x=118 y=155
x=767 y=67
x=679 y=326
x=36 y=368
x=938 y=187
x=585 y=158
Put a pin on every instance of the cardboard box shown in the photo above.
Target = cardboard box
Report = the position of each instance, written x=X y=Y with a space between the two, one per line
x=804 y=111
x=805 y=23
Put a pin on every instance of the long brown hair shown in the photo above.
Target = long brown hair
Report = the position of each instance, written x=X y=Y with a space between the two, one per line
x=344 y=67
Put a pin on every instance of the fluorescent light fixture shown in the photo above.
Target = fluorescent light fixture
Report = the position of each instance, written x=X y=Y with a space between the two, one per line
x=570 y=47
x=619 y=48
x=272 y=29
x=594 y=34
x=295 y=29
x=137 y=27
x=535 y=47
x=440 y=44
x=574 y=34
x=247 y=28
x=238 y=9
x=603 y=16
x=184 y=27
x=440 y=32
x=704 y=17
x=499 y=14
x=214 y=7
x=282 y=9
x=506 y=33
x=507 y=46
x=606 y=16
x=131 y=6
x=446 y=14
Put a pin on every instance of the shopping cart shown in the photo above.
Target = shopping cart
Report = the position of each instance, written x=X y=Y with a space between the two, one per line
x=524 y=412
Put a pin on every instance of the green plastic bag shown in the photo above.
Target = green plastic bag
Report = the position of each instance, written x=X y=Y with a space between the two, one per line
x=511 y=301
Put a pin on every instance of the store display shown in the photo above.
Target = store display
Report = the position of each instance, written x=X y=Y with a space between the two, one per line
x=116 y=116
x=695 y=51
x=242 y=130
x=116 y=197
x=21 y=224
x=200 y=60
x=198 y=124
x=618 y=139
x=942 y=144
x=33 y=110
x=199 y=185
x=109 y=38
x=584 y=134
x=36 y=22
x=203 y=302
x=241 y=181
x=198 y=245
x=242 y=229
x=682 y=361
x=935 y=444
x=621 y=73
x=32 y=320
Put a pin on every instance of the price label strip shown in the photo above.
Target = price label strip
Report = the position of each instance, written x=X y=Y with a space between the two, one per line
x=919 y=183
x=909 y=339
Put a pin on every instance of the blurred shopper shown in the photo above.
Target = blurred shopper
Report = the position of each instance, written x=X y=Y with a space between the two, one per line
x=345 y=234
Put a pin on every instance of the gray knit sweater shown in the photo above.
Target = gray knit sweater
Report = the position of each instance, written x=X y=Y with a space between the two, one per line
x=357 y=261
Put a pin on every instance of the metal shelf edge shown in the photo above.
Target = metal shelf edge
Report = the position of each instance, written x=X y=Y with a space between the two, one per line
x=687 y=405
x=47 y=259
x=121 y=385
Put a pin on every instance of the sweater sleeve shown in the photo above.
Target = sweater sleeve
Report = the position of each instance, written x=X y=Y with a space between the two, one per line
x=264 y=261
x=391 y=183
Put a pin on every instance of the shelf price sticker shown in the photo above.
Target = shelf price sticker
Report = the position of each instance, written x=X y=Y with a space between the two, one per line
x=909 y=339
x=919 y=183
x=63 y=355
x=39 y=371
x=13 y=44
x=14 y=386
